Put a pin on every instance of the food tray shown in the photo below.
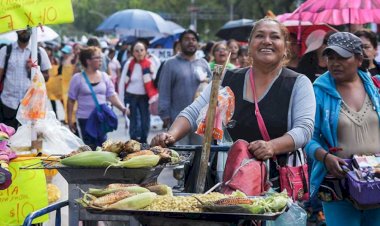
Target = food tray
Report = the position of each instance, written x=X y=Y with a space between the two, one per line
x=146 y=215
x=99 y=175
x=149 y=217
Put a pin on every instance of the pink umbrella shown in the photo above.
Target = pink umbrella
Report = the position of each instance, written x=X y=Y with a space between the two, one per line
x=337 y=12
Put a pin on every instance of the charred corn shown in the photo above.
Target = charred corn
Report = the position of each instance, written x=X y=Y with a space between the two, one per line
x=138 y=201
x=110 y=198
x=139 y=153
x=113 y=146
x=91 y=159
x=132 y=146
x=233 y=201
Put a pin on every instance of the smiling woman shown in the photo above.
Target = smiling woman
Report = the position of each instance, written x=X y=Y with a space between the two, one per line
x=285 y=98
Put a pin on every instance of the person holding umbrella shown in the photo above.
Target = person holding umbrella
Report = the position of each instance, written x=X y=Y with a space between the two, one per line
x=285 y=98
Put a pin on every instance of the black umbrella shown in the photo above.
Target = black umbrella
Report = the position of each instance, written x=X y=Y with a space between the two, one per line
x=236 y=29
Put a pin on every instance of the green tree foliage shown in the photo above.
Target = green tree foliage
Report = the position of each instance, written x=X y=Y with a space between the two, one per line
x=211 y=14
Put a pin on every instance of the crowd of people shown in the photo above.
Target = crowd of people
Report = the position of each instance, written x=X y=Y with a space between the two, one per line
x=317 y=100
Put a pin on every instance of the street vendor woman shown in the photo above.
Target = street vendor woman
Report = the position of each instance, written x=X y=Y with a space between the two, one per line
x=285 y=98
x=348 y=117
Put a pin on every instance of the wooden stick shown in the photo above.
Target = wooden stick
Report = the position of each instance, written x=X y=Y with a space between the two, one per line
x=210 y=118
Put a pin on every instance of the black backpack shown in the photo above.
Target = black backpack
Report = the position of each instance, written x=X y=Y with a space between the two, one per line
x=7 y=56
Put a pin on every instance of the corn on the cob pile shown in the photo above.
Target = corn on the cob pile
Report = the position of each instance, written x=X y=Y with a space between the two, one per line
x=123 y=198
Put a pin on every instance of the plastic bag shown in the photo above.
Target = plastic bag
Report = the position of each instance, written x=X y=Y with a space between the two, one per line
x=295 y=216
x=22 y=139
x=57 y=139
x=224 y=111
x=33 y=106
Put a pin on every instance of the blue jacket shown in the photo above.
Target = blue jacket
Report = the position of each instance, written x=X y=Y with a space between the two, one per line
x=326 y=120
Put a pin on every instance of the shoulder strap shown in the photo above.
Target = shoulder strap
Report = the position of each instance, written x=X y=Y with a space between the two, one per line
x=7 y=56
x=92 y=90
x=260 y=120
x=376 y=81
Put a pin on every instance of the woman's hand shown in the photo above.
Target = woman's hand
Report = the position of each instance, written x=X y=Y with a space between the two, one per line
x=72 y=127
x=125 y=111
x=163 y=140
x=333 y=165
x=261 y=150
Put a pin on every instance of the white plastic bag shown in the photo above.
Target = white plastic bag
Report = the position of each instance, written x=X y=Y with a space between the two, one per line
x=57 y=139
x=295 y=216
x=21 y=141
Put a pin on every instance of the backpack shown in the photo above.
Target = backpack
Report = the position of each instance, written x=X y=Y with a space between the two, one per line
x=244 y=173
x=7 y=56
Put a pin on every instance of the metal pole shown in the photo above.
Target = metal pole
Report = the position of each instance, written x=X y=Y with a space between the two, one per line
x=193 y=16
x=34 y=47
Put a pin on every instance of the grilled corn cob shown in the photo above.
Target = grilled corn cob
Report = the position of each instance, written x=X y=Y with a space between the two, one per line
x=132 y=146
x=113 y=146
x=134 y=202
x=160 y=189
x=233 y=201
x=139 y=153
x=110 y=198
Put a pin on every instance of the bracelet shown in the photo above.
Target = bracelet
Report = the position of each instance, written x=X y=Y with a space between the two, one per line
x=324 y=158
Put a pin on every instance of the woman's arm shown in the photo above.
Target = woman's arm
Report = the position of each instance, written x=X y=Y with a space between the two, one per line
x=115 y=101
x=303 y=107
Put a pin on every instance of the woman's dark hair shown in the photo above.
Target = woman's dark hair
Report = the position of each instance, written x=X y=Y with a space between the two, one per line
x=87 y=53
x=370 y=35
x=243 y=50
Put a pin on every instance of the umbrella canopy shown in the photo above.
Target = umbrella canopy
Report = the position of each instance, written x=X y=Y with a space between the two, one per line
x=168 y=41
x=43 y=34
x=135 y=22
x=337 y=12
x=236 y=29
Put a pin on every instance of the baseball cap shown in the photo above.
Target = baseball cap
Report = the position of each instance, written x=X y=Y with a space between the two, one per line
x=188 y=31
x=314 y=40
x=67 y=49
x=345 y=44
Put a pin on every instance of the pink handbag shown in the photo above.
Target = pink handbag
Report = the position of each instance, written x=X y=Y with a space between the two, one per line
x=294 y=178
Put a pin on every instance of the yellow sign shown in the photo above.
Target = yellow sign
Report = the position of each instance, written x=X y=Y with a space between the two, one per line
x=26 y=194
x=18 y=14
